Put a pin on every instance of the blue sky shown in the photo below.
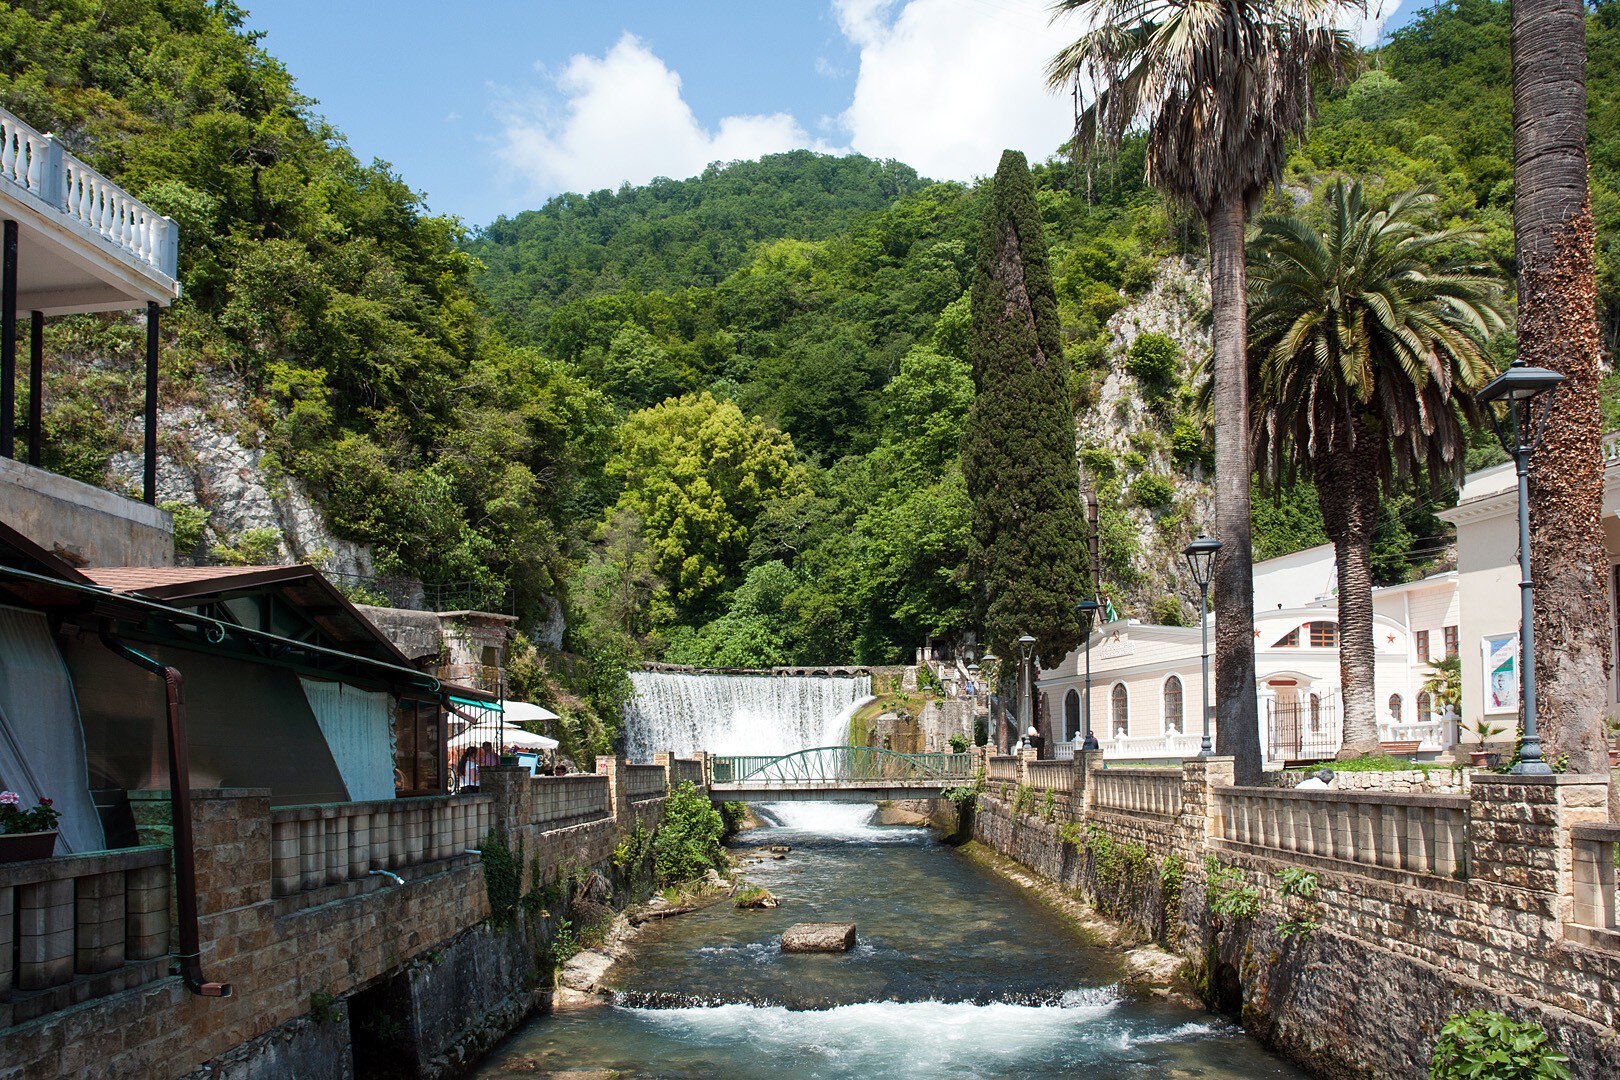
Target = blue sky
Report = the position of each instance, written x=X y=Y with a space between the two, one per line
x=490 y=107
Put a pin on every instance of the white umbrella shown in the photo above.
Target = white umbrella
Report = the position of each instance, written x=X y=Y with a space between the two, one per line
x=517 y=712
x=510 y=736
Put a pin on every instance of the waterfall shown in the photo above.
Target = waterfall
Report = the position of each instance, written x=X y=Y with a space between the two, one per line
x=739 y=714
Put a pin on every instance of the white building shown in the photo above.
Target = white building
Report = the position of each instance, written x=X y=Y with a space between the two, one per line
x=1146 y=681
x=1486 y=517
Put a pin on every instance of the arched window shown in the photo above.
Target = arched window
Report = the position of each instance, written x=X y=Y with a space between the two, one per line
x=1316 y=712
x=1071 y=716
x=1122 y=710
x=1172 y=704
x=1395 y=707
x=1425 y=707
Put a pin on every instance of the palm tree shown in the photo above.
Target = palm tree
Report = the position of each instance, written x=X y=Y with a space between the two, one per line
x=1366 y=336
x=1220 y=88
x=1553 y=240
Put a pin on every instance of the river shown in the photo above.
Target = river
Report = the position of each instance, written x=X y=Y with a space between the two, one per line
x=957 y=974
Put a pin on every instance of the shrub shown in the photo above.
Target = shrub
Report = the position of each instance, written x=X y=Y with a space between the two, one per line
x=1167 y=610
x=688 y=842
x=1153 y=491
x=1187 y=446
x=190 y=524
x=1484 y=1045
x=959 y=743
x=1154 y=361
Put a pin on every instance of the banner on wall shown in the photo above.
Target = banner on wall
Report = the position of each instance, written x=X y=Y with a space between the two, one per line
x=1501 y=653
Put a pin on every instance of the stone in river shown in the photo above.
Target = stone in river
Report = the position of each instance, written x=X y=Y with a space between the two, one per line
x=818 y=937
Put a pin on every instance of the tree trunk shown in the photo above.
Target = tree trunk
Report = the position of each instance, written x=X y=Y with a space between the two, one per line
x=1237 y=731
x=1553 y=240
x=1350 y=514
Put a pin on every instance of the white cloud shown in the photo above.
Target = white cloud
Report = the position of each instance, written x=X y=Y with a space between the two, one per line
x=621 y=117
x=946 y=85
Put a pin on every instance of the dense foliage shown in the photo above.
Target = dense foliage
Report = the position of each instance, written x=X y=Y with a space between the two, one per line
x=1484 y=1045
x=687 y=844
x=497 y=408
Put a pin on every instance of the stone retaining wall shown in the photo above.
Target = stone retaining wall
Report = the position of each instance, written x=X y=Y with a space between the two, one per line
x=426 y=954
x=1358 y=979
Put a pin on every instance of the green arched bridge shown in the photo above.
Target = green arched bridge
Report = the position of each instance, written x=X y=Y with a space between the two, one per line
x=836 y=773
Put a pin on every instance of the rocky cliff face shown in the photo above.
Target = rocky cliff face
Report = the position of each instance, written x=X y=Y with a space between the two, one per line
x=1125 y=436
x=202 y=461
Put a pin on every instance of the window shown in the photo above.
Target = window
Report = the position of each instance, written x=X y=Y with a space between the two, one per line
x=1395 y=708
x=1316 y=712
x=1324 y=635
x=418 y=749
x=1122 y=710
x=1172 y=704
x=1451 y=641
x=1289 y=640
x=1071 y=716
x=1423 y=646
x=1425 y=707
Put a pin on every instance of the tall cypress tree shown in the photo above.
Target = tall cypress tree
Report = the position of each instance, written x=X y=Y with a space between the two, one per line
x=1018 y=451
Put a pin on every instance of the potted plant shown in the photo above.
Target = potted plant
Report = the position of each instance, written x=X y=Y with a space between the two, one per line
x=1485 y=731
x=26 y=834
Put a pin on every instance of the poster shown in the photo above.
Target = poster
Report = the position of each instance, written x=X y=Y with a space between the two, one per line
x=1501 y=673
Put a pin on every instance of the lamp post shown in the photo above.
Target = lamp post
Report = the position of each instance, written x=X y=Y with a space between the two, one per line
x=992 y=672
x=1088 y=614
x=1517 y=387
x=1201 y=561
x=1026 y=704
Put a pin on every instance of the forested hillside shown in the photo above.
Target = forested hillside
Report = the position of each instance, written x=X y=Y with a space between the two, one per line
x=716 y=419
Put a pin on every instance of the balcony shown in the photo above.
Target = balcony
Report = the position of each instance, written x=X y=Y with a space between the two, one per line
x=84 y=244
x=72 y=241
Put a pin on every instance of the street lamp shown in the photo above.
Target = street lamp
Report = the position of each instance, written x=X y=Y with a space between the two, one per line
x=992 y=698
x=1201 y=561
x=1088 y=615
x=1026 y=705
x=1518 y=386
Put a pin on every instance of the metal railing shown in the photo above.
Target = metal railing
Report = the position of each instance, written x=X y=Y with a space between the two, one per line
x=841 y=764
x=36 y=163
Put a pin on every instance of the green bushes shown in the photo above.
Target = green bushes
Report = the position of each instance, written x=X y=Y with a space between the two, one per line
x=1154 y=361
x=688 y=843
x=1483 y=1045
x=1151 y=491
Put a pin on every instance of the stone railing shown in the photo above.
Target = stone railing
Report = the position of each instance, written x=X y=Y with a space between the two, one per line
x=1419 y=834
x=561 y=801
x=684 y=769
x=1595 y=902
x=38 y=165
x=326 y=844
x=1002 y=767
x=79 y=927
x=1050 y=775
x=646 y=782
x=1138 y=791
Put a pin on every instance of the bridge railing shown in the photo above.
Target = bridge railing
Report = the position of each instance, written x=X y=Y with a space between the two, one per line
x=841 y=764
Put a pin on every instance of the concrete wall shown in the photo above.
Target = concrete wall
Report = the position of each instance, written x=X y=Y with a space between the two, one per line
x=1394 y=950
x=86 y=525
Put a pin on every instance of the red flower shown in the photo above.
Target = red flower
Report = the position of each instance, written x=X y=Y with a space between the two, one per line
x=43 y=801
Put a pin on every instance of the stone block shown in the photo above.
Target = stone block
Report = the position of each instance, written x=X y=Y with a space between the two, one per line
x=818 y=938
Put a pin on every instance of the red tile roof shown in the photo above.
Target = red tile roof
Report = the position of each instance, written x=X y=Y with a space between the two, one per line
x=130 y=579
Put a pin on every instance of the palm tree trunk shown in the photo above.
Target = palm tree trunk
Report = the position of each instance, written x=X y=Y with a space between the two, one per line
x=1553 y=240
x=1237 y=731
x=1349 y=476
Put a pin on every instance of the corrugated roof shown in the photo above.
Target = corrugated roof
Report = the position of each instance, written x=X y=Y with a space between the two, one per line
x=160 y=579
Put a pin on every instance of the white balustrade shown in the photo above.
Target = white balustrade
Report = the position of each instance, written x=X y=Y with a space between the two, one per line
x=37 y=164
x=1170 y=744
x=1421 y=834
x=1138 y=791
x=1051 y=775
x=1003 y=767
x=1595 y=899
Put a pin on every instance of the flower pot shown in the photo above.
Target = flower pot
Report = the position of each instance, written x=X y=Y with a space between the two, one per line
x=1614 y=756
x=1479 y=758
x=20 y=847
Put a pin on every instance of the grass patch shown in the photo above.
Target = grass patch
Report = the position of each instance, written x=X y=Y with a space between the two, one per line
x=1377 y=763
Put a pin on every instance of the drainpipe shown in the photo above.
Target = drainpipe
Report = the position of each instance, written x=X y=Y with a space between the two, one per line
x=185 y=859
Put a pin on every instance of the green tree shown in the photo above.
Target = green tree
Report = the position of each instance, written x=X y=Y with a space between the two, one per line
x=1018 y=451
x=1369 y=338
x=697 y=472
x=1222 y=87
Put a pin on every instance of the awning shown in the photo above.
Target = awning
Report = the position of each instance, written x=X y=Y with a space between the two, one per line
x=510 y=736
x=517 y=712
